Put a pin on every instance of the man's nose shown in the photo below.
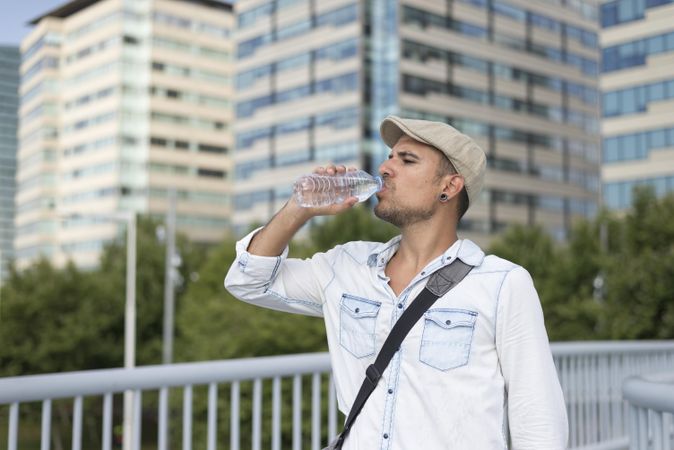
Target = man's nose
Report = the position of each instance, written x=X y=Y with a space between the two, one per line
x=385 y=168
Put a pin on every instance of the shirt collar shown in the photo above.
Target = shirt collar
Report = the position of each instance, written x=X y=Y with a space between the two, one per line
x=464 y=249
x=383 y=252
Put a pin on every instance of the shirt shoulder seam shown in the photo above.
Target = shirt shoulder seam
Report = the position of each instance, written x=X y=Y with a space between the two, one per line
x=498 y=298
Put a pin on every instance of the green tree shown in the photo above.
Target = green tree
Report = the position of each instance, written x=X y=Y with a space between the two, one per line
x=640 y=271
x=634 y=259
x=150 y=258
x=530 y=247
x=56 y=320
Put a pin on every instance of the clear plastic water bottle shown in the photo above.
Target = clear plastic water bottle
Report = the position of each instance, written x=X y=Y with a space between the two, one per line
x=322 y=190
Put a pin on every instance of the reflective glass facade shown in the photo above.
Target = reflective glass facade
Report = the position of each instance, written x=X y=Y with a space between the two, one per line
x=299 y=84
x=638 y=101
x=617 y=12
x=382 y=69
x=634 y=53
x=10 y=60
x=522 y=80
x=619 y=194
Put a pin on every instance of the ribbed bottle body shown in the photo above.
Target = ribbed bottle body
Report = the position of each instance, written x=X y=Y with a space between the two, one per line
x=322 y=190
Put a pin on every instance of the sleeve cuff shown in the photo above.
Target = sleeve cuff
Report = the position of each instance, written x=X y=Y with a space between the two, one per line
x=262 y=267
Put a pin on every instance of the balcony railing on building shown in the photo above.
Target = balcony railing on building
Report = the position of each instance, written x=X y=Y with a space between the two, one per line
x=289 y=402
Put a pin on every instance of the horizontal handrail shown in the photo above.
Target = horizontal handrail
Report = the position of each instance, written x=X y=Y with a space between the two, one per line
x=94 y=382
x=608 y=347
x=97 y=382
x=651 y=391
x=591 y=374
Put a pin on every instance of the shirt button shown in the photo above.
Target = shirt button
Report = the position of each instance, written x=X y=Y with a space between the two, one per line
x=357 y=310
x=385 y=436
x=423 y=273
x=448 y=322
x=400 y=306
x=390 y=391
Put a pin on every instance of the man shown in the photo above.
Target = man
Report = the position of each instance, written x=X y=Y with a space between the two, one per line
x=476 y=372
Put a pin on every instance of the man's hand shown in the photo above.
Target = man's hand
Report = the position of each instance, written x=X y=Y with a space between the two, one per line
x=328 y=210
x=274 y=237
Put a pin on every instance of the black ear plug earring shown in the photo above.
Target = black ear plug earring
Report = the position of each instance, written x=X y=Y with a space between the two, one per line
x=444 y=198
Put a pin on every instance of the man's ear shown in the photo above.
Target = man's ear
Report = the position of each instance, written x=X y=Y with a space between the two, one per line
x=453 y=185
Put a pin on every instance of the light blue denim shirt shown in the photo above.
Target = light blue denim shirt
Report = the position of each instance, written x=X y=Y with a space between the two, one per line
x=475 y=373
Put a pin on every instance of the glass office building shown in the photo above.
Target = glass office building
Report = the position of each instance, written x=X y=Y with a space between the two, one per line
x=315 y=78
x=121 y=101
x=10 y=59
x=637 y=82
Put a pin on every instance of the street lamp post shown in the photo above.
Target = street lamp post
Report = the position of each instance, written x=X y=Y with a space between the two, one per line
x=130 y=325
x=128 y=217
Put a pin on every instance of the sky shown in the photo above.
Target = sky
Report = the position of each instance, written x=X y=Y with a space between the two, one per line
x=15 y=15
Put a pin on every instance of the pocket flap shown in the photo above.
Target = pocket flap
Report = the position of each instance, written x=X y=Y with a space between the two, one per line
x=358 y=307
x=451 y=318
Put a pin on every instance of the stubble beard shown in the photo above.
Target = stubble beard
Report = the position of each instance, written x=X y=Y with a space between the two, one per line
x=402 y=217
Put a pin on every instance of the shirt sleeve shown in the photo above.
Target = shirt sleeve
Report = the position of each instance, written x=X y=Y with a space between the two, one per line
x=536 y=409
x=278 y=282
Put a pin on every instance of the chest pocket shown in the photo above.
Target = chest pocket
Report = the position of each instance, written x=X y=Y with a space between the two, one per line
x=447 y=337
x=357 y=321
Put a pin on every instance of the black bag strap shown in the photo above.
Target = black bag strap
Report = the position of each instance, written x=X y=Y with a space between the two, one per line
x=438 y=285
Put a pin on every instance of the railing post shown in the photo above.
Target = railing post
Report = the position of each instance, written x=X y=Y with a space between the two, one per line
x=13 y=433
x=316 y=411
x=234 y=416
x=187 y=418
x=590 y=374
x=297 y=412
x=276 y=414
x=212 y=416
x=257 y=414
x=107 y=422
x=77 y=424
x=46 y=425
x=162 y=435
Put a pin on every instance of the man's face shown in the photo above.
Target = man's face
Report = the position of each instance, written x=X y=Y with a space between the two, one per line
x=411 y=183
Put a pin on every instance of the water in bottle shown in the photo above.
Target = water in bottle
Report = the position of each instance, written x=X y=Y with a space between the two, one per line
x=322 y=190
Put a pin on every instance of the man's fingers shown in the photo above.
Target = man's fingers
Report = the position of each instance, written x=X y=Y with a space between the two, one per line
x=331 y=169
x=348 y=203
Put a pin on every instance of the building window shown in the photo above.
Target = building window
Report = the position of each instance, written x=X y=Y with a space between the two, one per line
x=635 y=146
x=636 y=99
x=634 y=53
x=621 y=11
x=211 y=173
x=335 y=18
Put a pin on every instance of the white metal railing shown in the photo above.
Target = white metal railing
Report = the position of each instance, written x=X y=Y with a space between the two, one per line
x=651 y=407
x=591 y=374
x=239 y=376
x=228 y=399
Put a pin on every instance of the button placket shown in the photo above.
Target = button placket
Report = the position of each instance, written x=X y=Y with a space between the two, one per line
x=389 y=408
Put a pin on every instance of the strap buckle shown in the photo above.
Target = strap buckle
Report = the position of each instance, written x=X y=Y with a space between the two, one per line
x=372 y=375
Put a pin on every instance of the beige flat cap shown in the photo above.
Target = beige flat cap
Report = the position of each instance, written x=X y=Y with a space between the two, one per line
x=465 y=155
